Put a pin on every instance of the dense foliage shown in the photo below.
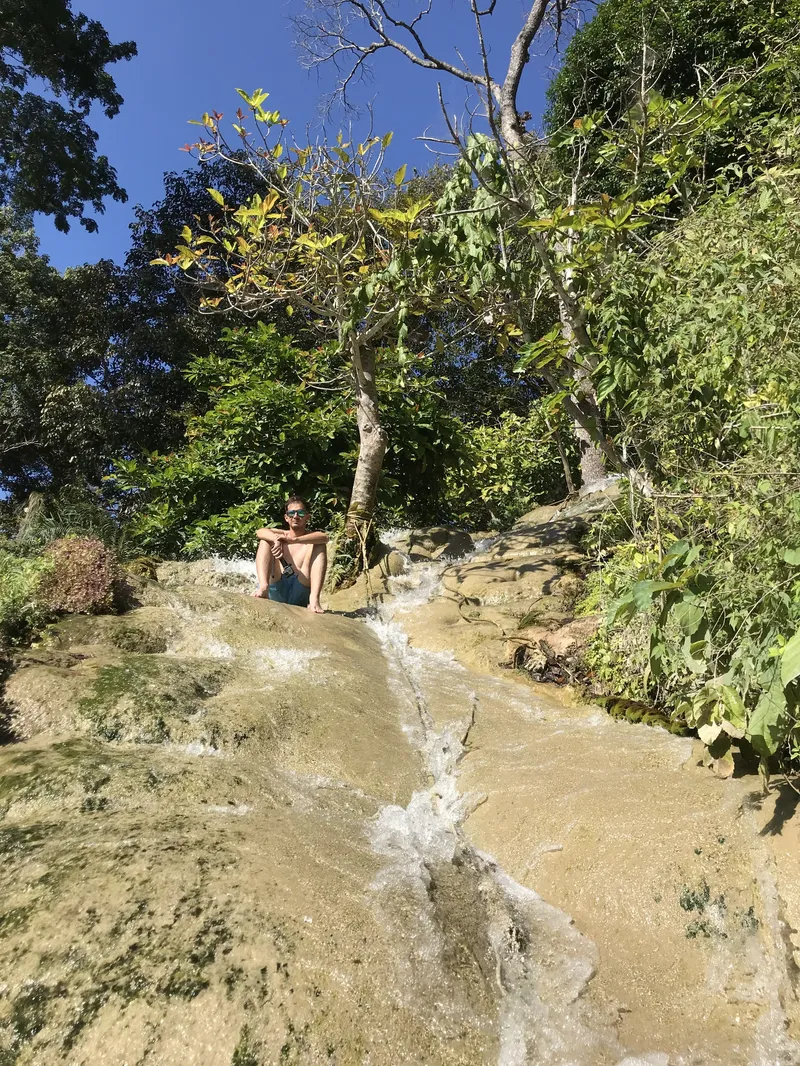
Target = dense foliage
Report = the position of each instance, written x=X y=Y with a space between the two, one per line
x=48 y=150
x=705 y=365
x=673 y=45
x=279 y=420
x=22 y=613
x=91 y=360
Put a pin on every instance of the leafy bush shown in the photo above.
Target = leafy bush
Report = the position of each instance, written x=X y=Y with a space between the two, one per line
x=705 y=361
x=21 y=611
x=505 y=470
x=81 y=576
x=73 y=511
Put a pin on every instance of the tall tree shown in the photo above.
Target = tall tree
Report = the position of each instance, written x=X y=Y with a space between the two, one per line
x=534 y=229
x=93 y=360
x=325 y=241
x=48 y=150
x=52 y=414
x=350 y=33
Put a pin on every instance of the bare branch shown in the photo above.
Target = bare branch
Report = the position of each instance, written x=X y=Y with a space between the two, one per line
x=512 y=128
x=330 y=34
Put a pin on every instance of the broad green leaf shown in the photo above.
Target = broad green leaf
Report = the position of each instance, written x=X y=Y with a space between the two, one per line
x=732 y=730
x=769 y=721
x=692 y=652
x=216 y=196
x=688 y=615
x=399 y=177
x=709 y=733
x=735 y=712
x=790 y=662
x=622 y=610
x=644 y=592
x=792 y=556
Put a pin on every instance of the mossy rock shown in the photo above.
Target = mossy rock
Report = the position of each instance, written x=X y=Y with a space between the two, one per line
x=642 y=714
x=150 y=700
x=144 y=632
x=143 y=566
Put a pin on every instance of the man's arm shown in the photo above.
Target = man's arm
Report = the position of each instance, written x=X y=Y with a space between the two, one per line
x=271 y=535
x=310 y=538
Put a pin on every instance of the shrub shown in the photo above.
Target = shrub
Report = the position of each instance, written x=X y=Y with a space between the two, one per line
x=81 y=578
x=504 y=470
x=703 y=610
x=21 y=611
x=75 y=511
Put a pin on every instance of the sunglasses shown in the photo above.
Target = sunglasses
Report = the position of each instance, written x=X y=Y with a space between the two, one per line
x=296 y=514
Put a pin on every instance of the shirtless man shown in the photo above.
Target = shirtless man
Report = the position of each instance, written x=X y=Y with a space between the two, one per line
x=291 y=563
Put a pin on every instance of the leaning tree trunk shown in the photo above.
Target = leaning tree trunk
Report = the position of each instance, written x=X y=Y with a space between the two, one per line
x=372 y=440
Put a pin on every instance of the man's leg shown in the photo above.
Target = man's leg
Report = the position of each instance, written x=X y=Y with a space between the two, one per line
x=317 y=570
x=263 y=568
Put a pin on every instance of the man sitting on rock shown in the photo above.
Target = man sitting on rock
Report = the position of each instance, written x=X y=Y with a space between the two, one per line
x=291 y=563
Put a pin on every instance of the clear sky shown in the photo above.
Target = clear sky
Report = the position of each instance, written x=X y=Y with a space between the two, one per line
x=193 y=54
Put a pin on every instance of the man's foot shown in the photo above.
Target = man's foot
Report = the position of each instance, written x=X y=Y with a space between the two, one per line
x=260 y=594
x=315 y=608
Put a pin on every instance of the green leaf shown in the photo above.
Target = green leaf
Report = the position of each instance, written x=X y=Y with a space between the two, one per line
x=790 y=662
x=688 y=614
x=216 y=196
x=692 y=652
x=735 y=712
x=400 y=176
x=386 y=140
x=708 y=733
x=644 y=592
x=792 y=556
x=769 y=721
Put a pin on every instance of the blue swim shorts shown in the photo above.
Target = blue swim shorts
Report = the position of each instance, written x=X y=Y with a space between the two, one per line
x=290 y=590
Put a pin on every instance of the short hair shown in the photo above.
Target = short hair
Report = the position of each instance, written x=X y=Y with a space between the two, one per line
x=296 y=499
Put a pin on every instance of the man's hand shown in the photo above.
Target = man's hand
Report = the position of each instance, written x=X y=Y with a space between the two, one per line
x=276 y=547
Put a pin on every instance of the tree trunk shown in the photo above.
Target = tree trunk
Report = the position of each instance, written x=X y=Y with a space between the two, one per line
x=372 y=442
x=593 y=467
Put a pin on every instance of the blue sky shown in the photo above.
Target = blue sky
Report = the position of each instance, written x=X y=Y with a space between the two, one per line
x=193 y=54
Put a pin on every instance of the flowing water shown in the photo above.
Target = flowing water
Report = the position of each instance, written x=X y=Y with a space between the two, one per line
x=235 y=834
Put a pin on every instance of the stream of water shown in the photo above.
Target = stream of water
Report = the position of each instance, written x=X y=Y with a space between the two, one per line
x=541 y=964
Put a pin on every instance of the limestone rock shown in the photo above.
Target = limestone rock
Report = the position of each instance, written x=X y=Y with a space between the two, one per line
x=431 y=537
x=459 y=545
x=420 y=555
x=395 y=563
x=205 y=572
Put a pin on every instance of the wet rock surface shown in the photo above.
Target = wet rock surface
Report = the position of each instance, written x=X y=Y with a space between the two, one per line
x=236 y=833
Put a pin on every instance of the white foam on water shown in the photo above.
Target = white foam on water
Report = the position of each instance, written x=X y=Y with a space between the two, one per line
x=238 y=809
x=286 y=661
x=215 y=649
x=247 y=567
x=394 y=536
x=416 y=587
x=198 y=749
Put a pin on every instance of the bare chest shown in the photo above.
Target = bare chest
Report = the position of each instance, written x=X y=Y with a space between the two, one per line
x=298 y=553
